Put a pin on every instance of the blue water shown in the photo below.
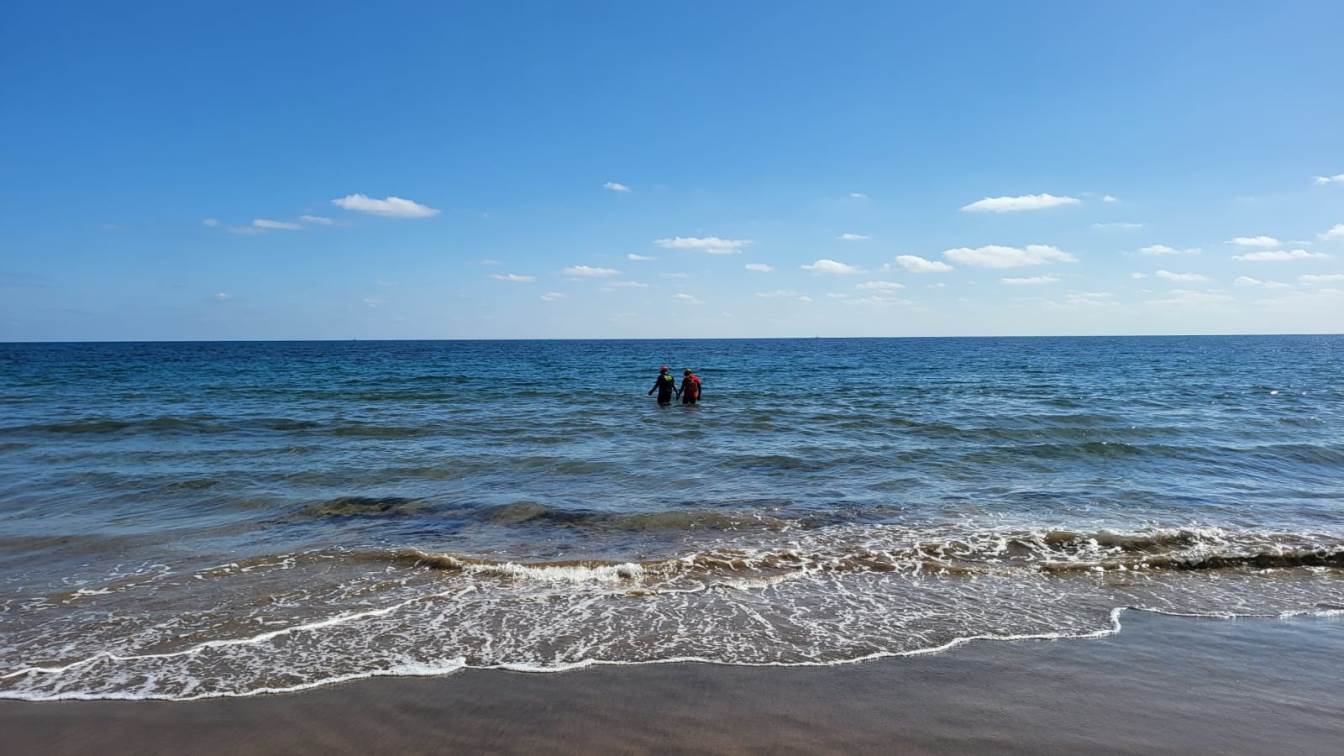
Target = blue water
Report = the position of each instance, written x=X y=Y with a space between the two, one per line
x=415 y=507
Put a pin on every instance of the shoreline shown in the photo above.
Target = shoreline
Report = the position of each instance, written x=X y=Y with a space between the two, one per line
x=1164 y=684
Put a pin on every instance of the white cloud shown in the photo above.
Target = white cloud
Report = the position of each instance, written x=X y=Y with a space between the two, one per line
x=616 y=186
x=639 y=258
x=784 y=294
x=1281 y=255
x=1029 y=281
x=854 y=237
x=711 y=244
x=858 y=195
x=1109 y=198
x=1309 y=302
x=586 y=271
x=759 y=267
x=489 y=262
x=1323 y=180
x=1248 y=281
x=1263 y=242
x=1088 y=299
x=209 y=222
x=1191 y=298
x=1138 y=276
x=673 y=275
x=876 y=300
x=222 y=296
x=1327 y=278
x=388 y=207
x=552 y=296
x=628 y=285
x=275 y=225
x=1336 y=232
x=831 y=267
x=997 y=256
x=316 y=220
x=1167 y=275
x=372 y=302
x=687 y=298
x=1163 y=249
x=1016 y=204
x=513 y=277
x=1117 y=226
x=1076 y=300
x=917 y=264
x=880 y=285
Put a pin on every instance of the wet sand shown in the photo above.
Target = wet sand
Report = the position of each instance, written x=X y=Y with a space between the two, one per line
x=1162 y=685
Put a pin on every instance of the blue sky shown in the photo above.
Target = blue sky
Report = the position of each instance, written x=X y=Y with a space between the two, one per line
x=247 y=171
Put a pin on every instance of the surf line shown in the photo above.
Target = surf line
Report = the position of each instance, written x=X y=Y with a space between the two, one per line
x=1113 y=628
x=262 y=638
x=459 y=663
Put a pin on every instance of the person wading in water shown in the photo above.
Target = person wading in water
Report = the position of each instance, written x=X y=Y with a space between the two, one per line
x=664 y=384
x=690 y=387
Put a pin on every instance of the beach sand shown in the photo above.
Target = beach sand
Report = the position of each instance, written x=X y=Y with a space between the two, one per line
x=1162 y=685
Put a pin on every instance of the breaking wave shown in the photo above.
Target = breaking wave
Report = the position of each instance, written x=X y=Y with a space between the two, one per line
x=1053 y=551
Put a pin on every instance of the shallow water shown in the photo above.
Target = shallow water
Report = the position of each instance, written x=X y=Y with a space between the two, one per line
x=189 y=520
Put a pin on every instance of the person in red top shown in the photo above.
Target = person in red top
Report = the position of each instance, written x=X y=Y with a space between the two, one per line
x=690 y=387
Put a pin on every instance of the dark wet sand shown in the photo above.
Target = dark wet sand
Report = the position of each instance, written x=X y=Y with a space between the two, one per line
x=1163 y=685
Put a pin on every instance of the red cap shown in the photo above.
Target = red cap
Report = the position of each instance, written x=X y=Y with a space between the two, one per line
x=662 y=367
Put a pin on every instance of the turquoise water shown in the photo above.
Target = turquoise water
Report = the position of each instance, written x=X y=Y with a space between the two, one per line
x=196 y=519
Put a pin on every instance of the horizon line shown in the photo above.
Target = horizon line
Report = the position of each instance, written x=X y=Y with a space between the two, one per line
x=674 y=338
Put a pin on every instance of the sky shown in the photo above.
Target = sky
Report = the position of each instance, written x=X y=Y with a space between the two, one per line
x=628 y=170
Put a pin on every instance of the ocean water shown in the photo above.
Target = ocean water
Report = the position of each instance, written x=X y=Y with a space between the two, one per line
x=186 y=520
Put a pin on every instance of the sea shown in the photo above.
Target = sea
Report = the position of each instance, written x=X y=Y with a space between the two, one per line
x=194 y=520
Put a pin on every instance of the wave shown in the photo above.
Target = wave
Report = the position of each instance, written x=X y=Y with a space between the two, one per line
x=836 y=595
x=847 y=548
x=1049 y=551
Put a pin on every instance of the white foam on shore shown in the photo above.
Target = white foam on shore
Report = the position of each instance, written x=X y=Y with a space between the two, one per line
x=252 y=640
x=409 y=669
x=450 y=666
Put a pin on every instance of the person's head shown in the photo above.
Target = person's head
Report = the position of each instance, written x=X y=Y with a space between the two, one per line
x=687 y=371
x=663 y=369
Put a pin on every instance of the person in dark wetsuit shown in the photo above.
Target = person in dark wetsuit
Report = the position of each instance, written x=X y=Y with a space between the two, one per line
x=665 y=384
x=690 y=387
